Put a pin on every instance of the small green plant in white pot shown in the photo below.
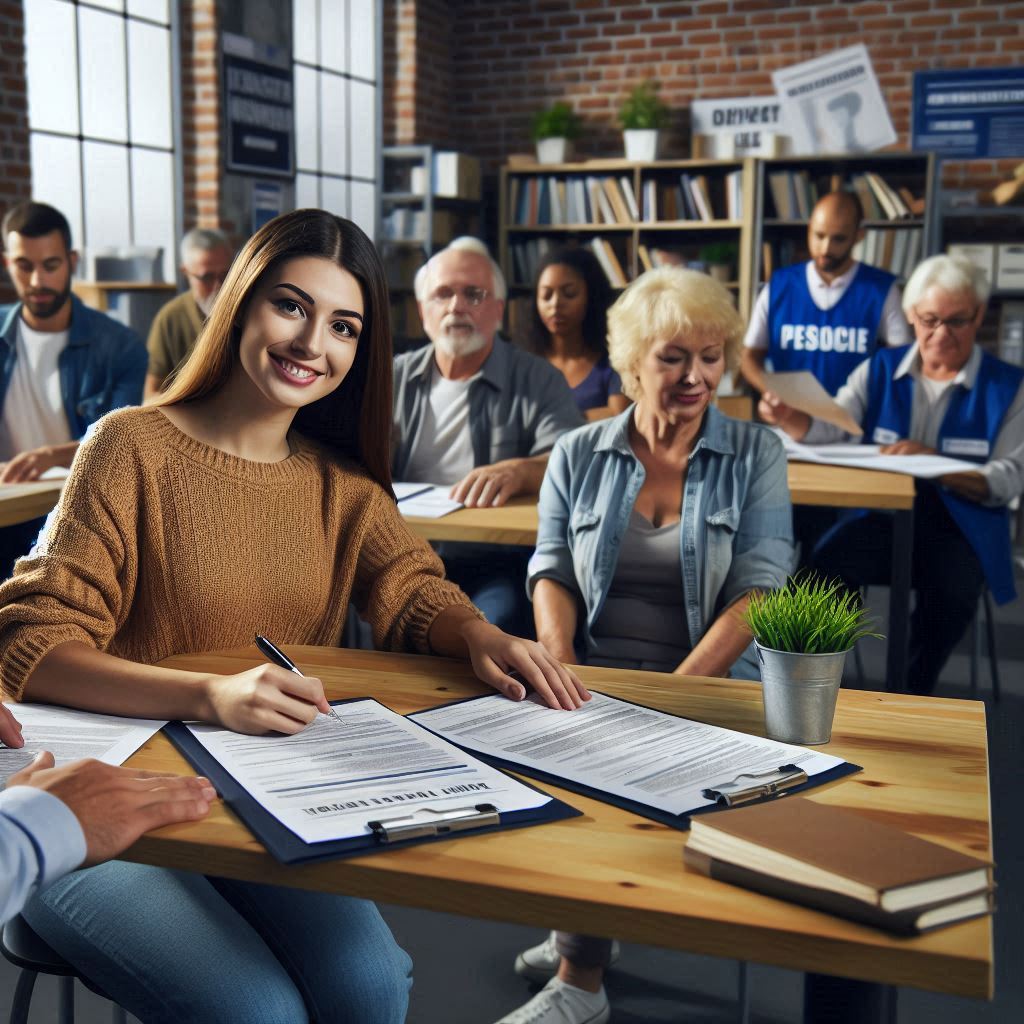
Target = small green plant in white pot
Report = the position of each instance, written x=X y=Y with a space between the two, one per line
x=643 y=115
x=802 y=634
x=554 y=131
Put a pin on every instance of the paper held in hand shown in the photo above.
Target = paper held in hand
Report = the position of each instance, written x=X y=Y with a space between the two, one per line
x=802 y=391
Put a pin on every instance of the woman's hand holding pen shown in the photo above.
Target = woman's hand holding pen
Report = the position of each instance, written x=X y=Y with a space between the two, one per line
x=266 y=698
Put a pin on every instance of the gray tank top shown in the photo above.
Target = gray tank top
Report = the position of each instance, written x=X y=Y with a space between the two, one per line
x=643 y=622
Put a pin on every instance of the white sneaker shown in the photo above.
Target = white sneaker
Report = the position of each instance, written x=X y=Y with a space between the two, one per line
x=559 y=1003
x=539 y=963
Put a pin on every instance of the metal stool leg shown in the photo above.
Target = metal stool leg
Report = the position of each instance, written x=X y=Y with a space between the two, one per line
x=743 y=1008
x=990 y=627
x=23 y=997
x=975 y=651
x=66 y=1006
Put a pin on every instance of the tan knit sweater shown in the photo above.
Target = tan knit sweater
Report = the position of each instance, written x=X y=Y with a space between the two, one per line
x=163 y=545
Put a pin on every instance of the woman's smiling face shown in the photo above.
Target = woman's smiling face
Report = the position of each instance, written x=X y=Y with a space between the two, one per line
x=300 y=331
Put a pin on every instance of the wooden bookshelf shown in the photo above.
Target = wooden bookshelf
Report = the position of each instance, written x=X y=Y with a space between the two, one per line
x=897 y=190
x=636 y=209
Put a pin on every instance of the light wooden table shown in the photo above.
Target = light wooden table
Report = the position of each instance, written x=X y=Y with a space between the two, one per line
x=809 y=484
x=20 y=503
x=613 y=873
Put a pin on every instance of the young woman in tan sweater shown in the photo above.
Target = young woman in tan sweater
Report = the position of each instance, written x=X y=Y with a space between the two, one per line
x=254 y=497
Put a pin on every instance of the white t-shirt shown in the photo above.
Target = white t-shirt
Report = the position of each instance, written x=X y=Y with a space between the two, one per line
x=33 y=413
x=893 y=328
x=443 y=452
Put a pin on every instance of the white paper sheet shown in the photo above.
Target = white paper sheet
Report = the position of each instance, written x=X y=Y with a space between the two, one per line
x=406 y=490
x=70 y=735
x=868 y=456
x=329 y=780
x=801 y=390
x=619 y=748
x=431 y=503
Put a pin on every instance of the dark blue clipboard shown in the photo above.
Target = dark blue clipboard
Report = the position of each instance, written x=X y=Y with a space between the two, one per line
x=288 y=848
x=678 y=821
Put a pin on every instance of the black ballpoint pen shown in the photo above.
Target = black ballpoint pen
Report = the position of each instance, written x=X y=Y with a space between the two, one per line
x=273 y=653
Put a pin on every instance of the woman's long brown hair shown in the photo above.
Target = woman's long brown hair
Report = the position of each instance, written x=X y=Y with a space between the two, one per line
x=354 y=421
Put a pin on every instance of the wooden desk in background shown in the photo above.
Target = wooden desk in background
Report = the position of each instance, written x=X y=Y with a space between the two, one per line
x=613 y=873
x=809 y=484
x=20 y=503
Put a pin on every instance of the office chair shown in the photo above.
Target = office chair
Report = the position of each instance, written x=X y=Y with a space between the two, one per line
x=25 y=949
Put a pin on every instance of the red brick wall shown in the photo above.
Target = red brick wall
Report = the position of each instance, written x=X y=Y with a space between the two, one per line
x=511 y=57
x=200 y=114
x=15 y=175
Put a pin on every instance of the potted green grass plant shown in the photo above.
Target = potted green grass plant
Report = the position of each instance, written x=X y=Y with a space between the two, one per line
x=554 y=130
x=643 y=115
x=802 y=634
x=720 y=258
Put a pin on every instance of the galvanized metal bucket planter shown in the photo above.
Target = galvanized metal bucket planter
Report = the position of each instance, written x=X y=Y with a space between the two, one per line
x=799 y=693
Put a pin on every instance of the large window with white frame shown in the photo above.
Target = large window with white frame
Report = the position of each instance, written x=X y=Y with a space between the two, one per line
x=337 y=109
x=101 y=119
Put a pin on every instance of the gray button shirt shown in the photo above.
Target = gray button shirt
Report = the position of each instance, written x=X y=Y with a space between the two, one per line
x=518 y=406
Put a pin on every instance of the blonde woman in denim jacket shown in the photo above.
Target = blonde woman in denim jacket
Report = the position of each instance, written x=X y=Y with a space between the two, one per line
x=655 y=526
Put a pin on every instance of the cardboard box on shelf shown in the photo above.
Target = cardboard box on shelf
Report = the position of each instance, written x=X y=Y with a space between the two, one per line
x=456 y=176
x=981 y=255
x=1010 y=268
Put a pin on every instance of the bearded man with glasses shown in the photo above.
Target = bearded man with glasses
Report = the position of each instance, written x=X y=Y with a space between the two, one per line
x=942 y=395
x=474 y=413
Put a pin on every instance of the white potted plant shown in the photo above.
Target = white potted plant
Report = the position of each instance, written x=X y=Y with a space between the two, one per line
x=802 y=634
x=554 y=130
x=643 y=115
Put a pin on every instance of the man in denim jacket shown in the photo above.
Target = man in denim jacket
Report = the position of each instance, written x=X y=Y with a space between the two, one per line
x=62 y=364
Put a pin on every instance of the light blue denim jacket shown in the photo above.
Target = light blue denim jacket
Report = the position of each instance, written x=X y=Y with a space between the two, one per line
x=736 y=531
x=102 y=367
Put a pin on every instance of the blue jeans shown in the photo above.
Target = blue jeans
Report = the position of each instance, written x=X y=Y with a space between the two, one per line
x=175 y=946
x=493 y=577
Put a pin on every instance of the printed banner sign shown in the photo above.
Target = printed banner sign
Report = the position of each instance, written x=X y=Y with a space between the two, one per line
x=969 y=114
x=833 y=104
x=746 y=126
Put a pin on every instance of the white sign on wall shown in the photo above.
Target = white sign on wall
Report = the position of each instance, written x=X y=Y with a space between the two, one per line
x=833 y=104
x=738 y=126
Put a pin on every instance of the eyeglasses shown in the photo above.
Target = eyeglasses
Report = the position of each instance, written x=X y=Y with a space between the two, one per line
x=954 y=323
x=471 y=295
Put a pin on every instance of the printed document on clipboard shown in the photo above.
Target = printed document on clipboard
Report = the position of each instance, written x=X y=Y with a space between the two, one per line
x=655 y=764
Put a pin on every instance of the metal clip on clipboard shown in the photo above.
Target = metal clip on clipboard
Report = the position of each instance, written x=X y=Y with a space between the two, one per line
x=416 y=826
x=745 y=788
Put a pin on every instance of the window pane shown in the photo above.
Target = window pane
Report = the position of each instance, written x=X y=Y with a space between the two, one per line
x=363 y=206
x=149 y=73
x=153 y=203
x=333 y=124
x=304 y=30
x=335 y=195
x=155 y=10
x=106 y=192
x=364 y=130
x=57 y=177
x=111 y=5
x=101 y=44
x=333 y=35
x=52 y=66
x=362 y=21
x=307 y=127
x=307 y=191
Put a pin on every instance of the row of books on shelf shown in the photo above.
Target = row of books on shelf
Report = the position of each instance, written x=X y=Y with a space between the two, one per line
x=794 y=194
x=527 y=255
x=591 y=199
x=897 y=250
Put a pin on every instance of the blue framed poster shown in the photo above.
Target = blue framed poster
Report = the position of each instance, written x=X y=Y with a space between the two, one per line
x=968 y=114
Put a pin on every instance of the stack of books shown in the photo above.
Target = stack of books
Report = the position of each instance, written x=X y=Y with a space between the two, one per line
x=842 y=863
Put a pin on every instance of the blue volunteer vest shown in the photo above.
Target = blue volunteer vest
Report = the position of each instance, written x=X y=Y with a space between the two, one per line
x=969 y=430
x=830 y=343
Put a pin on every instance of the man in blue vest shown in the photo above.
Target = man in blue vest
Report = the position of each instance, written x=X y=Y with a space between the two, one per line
x=62 y=364
x=941 y=396
x=829 y=314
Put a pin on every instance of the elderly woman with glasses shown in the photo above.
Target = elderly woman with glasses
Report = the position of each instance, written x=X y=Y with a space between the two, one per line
x=942 y=395
x=655 y=526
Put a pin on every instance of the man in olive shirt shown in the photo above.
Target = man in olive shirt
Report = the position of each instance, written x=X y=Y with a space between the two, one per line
x=206 y=256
